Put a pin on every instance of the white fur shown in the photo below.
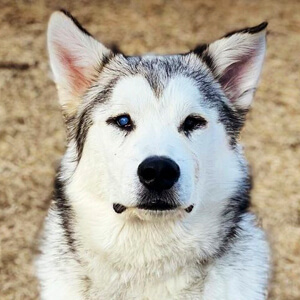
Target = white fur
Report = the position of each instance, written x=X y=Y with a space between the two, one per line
x=150 y=255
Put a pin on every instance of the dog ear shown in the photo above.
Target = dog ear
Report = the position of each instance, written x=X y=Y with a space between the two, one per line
x=236 y=61
x=75 y=58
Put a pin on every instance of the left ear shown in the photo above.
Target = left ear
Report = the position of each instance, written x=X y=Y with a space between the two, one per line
x=75 y=58
x=236 y=61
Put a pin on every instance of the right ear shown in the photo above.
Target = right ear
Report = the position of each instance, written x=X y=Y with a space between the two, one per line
x=75 y=58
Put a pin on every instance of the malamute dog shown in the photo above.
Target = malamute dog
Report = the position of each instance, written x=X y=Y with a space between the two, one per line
x=151 y=197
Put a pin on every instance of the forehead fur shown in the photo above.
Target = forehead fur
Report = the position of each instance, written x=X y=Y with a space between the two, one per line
x=134 y=95
x=157 y=71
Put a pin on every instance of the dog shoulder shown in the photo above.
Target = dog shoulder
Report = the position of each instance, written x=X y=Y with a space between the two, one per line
x=56 y=266
x=243 y=271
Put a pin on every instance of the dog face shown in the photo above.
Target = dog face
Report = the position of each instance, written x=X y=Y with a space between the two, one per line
x=153 y=135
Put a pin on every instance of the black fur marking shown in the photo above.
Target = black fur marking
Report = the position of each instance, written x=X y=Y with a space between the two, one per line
x=250 y=30
x=200 y=49
x=233 y=121
x=75 y=22
x=83 y=125
x=233 y=214
x=208 y=61
x=156 y=78
x=84 y=119
x=69 y=121
x=64 y=210
x=105 y=94
x=115 y=48
x=202 y=52
x=105 y=61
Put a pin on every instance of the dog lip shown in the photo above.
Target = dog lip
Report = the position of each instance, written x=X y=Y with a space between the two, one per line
x=119 y=208
x=157 y=206
x=189 y=208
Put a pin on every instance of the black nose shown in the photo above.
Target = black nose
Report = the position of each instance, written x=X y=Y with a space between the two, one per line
x=158 y=173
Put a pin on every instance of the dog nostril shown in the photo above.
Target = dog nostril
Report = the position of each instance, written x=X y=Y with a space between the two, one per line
x=170 y=174
x=149 y=174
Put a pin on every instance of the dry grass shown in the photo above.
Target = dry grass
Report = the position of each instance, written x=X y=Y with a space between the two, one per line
x=32 y=134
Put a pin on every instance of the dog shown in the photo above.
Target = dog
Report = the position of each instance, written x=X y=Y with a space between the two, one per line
x=151 y=197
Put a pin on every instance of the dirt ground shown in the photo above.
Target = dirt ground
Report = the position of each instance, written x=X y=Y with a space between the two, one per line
x=32 y=137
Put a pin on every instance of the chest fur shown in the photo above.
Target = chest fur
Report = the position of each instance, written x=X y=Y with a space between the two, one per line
x=152 y=282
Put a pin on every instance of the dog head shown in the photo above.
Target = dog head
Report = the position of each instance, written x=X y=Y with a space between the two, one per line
x=152 y=135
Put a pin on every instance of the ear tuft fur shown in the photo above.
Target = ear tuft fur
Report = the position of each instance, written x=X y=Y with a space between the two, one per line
x=251 y=30
x=76 y=22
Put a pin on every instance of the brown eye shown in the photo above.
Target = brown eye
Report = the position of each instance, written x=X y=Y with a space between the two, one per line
x=192 y=123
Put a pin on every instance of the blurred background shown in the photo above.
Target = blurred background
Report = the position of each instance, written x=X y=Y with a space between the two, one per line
x=32 y=137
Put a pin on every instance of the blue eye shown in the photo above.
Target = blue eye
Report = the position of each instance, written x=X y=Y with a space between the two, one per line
x=123 y=121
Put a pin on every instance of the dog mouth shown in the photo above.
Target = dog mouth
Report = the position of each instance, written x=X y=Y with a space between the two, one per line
x=158 y=206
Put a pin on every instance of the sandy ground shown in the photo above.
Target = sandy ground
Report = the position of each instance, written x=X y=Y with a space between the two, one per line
x=32 y=137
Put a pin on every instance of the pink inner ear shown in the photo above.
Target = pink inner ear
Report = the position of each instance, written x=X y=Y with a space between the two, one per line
x=76 y=75
x=234 y=75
